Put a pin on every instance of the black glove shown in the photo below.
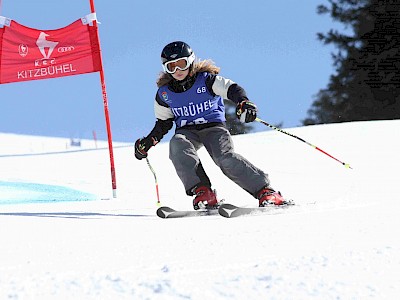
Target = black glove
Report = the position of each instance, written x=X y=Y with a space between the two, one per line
x=143 y=145
x=246 y=111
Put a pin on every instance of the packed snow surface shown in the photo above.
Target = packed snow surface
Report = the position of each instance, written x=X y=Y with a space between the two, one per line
x=63 y=235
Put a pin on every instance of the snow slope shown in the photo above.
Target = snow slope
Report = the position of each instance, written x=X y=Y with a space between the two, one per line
x=64 y=237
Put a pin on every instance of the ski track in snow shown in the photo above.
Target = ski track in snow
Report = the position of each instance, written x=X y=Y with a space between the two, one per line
x=339 y=242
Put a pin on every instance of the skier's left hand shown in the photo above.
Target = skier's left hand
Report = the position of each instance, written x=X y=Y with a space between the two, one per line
x=246 y=111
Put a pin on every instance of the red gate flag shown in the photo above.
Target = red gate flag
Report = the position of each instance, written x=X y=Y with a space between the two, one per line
x=31 y=54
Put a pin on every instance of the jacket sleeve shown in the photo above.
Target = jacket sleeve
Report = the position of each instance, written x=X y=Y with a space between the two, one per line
x=226 y=88
x=165 y=119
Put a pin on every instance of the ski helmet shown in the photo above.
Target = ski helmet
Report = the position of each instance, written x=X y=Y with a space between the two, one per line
x=176 y=50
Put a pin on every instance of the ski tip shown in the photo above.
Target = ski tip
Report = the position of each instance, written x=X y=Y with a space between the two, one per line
x=226 y=210
x=164 y=212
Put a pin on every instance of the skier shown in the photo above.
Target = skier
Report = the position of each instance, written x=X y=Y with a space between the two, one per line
x=190 y=94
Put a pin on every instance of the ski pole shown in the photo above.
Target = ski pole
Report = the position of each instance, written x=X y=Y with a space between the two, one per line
x=155 y=179
x=300 y=139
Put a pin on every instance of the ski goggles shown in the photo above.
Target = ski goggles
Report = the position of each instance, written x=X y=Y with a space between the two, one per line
x=182 y=64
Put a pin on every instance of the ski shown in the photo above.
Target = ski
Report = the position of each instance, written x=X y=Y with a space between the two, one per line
x=232 y=211
x=225 y=210
x=166 y=212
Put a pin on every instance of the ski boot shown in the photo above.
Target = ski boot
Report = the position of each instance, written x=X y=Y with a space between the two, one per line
x=205 y=198
x=268 y=197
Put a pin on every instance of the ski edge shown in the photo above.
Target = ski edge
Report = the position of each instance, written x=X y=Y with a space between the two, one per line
x=166 y=212
x=231 y=211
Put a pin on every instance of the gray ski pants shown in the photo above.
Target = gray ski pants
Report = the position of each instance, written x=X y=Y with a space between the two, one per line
x=218 y=142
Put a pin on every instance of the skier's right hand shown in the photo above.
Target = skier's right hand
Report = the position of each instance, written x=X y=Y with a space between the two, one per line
x=143 y=145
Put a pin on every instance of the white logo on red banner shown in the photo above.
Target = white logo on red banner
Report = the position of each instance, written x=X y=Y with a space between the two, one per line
x=23 y=50
x=45 y=47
